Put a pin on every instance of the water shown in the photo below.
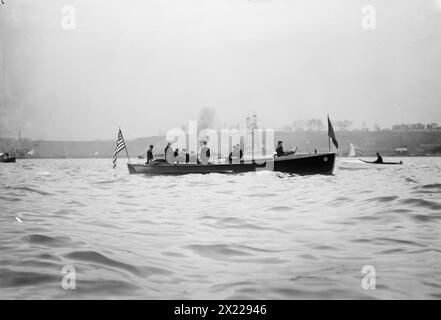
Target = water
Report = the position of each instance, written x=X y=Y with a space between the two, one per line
x=256 y=235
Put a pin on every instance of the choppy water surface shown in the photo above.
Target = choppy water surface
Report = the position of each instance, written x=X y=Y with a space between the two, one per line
x=256 y=235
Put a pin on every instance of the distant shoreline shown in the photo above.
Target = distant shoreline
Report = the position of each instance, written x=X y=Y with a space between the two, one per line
x=388 y=143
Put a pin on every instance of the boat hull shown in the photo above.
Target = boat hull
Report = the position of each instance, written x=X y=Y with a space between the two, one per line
x=7 y=160
x=380 y=163
x=360 y=164
x=295 y=164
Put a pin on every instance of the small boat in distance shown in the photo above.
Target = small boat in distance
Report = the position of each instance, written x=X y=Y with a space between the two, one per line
x=4 y=157
x=357 y=164
x=379 y=163
x=302 y=164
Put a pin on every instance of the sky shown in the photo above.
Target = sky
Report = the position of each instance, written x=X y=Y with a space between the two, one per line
x=148 y=66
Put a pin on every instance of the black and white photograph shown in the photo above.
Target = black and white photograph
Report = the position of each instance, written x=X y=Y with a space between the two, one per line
x=220 y=150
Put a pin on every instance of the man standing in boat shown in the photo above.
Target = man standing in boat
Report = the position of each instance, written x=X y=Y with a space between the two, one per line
x=168 y=151
x=236 y=154
x=205 y=153
x=150 y=157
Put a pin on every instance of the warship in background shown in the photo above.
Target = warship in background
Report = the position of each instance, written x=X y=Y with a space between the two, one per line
x=21 y=148
x=24 y=148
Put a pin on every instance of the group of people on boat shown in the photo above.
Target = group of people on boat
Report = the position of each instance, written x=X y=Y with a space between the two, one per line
x=184 y=156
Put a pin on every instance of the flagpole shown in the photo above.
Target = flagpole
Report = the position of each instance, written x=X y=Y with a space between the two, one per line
x=125 y=147
x=329 y=138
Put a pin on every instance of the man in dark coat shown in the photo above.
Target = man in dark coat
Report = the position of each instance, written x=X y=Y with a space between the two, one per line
x=279 y=149
x=237 y=153
x=168 y=151
x=379 y=158
x=150 y=157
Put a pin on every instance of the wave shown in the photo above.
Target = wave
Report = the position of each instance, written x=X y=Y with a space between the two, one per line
x=110 y=181
x=262 y=195
x=12 y=278
x=110 y=288
x=222 y=251
x=432 y=186
x=279 y=208
x=236 y=223
x=421 y=203
x=383 y=199
x=426 y=218
x=217 y=251
x=48 y=256
x=43 y=193
x=95 y=257
x=98 y=258
x=229 y=285
x=399 y=241
x=12 y=199
x=47 y=240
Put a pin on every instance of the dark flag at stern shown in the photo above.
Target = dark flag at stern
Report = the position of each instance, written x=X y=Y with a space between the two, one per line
x=331 y=135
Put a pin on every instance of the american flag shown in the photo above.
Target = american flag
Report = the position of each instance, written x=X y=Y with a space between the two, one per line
x=120 y=145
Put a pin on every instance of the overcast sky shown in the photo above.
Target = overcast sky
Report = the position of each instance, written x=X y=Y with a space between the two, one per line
x=153 y=65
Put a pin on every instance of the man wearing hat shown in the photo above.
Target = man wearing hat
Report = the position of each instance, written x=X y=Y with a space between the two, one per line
x=150 y=157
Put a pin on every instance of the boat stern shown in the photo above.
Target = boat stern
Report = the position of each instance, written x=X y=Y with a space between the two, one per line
x=307 y=164
x=131 y=168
